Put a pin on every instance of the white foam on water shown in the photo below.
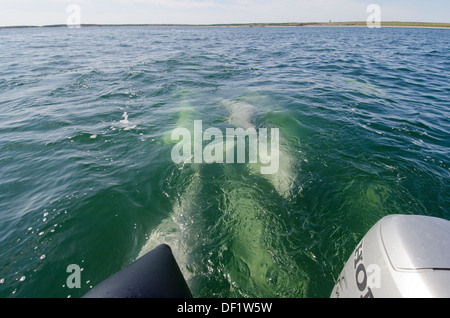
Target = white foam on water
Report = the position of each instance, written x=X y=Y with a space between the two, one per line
x=125 y=120
x=124 y=123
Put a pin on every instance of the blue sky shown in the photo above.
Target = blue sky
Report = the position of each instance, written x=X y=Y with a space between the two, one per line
x=41 y=12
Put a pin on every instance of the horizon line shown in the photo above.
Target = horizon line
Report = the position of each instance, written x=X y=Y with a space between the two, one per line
x=253 y=24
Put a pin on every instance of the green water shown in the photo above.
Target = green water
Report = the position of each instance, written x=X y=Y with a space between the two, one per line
x=87 y=176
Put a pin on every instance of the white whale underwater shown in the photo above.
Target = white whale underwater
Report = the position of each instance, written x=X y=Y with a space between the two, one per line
x=242 y=115
x=252 y=262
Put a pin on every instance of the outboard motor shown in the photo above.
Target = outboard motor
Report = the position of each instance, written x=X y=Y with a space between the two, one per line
x=154 y=275
x=400 y=256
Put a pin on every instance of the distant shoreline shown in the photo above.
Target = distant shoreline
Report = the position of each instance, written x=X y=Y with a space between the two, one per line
x=288 y=24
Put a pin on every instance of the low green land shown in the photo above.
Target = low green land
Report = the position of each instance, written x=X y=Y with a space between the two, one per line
x=288 y=24
x=344 y=24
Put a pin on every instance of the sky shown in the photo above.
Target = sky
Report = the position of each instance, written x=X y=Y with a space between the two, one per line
x=45 y=12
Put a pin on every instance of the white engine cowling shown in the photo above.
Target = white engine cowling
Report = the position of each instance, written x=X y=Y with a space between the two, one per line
x=400 y=256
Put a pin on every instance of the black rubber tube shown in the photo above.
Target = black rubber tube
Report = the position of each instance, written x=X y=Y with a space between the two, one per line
x=154 y=275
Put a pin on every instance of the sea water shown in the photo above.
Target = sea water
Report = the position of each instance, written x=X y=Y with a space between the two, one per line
x=87 y=179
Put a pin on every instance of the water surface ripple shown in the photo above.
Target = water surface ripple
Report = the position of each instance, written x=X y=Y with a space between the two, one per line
x=87 y=178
